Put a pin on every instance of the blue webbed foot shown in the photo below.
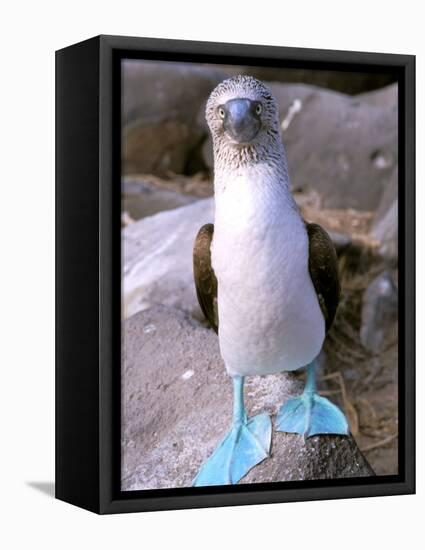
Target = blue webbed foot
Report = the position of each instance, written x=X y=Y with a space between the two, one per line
x=310 y=414
x=245 y=445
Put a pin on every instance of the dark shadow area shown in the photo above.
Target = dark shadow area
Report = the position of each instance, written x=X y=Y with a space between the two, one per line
x=46 y=487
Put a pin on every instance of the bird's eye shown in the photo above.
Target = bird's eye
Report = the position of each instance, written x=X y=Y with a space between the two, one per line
x=221 y=112
x=258 y=109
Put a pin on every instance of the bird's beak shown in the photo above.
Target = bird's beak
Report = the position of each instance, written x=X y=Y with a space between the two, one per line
x=241 y=121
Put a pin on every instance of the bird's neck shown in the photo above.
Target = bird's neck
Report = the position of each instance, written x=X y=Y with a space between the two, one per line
x=267 y=154
x=229 y=156
x=256 y=172
x=254 y=193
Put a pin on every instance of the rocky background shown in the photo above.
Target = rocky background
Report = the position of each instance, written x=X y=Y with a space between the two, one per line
x=340 y=133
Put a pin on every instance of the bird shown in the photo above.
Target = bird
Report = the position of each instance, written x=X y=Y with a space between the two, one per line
x=266 y=280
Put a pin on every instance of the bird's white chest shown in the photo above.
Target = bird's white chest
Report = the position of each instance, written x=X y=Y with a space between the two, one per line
x=269 y=316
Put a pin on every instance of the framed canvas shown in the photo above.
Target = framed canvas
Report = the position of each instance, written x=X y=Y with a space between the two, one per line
x=235 y=274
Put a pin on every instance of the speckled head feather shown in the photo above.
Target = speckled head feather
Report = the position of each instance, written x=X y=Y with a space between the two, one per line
x=266 y=145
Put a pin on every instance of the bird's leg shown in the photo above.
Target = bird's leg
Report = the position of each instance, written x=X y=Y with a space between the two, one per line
x=239 y=412
x=310 y=414
x=246 y=444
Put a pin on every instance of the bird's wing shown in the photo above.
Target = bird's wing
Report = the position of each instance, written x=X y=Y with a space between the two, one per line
x=205 y=279
x=323 y=268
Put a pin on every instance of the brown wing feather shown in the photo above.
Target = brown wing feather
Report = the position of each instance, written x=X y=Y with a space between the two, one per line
x=205 y=279
x=323 y=268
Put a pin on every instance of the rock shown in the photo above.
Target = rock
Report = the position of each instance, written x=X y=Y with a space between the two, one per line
x=385 y=223
x=160 y=105
x=157 y=258
x=344 y=82
x=385 y=231
x=379 y=313
x=389 y=195
x=343 y=147
x=158 y=148
x=177 y=405
x=384 y=97
x=141 y=199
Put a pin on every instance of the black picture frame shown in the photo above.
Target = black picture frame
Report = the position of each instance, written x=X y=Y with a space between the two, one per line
x=88 y=323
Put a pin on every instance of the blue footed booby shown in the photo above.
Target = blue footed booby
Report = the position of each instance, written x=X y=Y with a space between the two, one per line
x=266 y=280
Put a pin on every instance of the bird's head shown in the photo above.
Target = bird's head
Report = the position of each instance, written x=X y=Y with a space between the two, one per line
x=242 y=113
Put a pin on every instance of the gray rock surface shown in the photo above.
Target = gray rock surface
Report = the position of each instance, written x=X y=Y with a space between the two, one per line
x=141 y=199
x=383 y=97
x=379 y=313
x=177 y=405
x=341 y=146
x=385 y=224
x=385 y=232
x=345 y=82
x=160 y=105
x=157 y=259
x=389 y=195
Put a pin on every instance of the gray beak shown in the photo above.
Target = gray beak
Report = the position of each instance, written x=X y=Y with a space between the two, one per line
x=241 y=121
